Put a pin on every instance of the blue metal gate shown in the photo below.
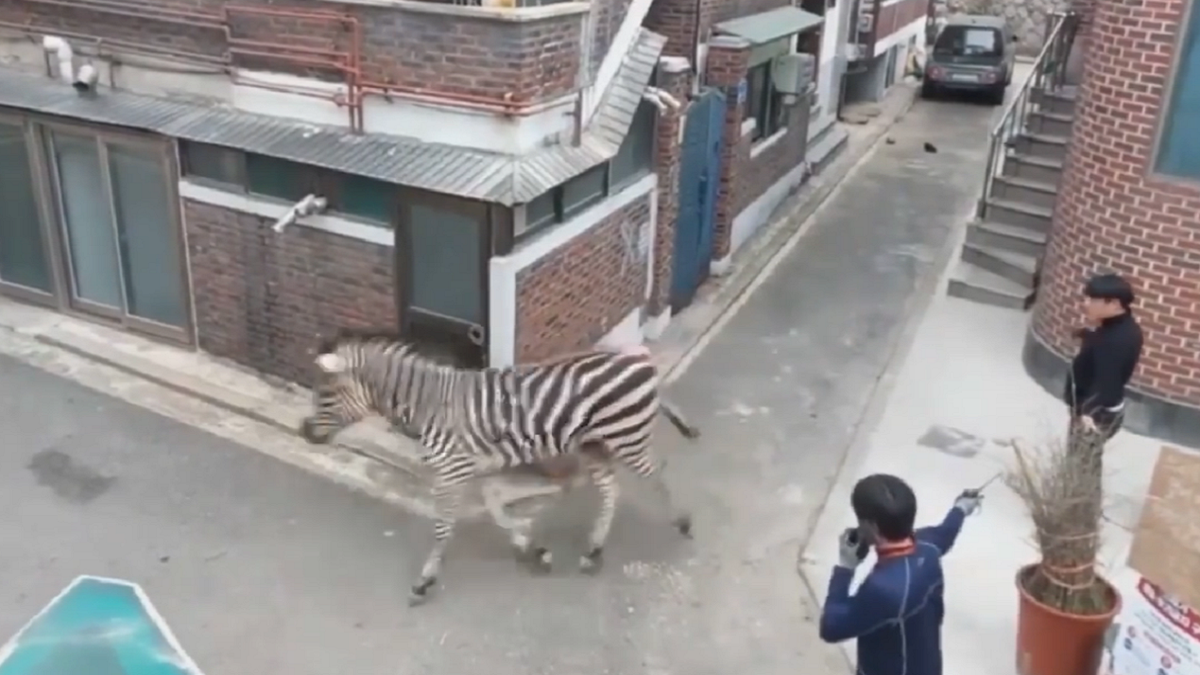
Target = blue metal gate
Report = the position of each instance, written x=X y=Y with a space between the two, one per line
x=699 y=178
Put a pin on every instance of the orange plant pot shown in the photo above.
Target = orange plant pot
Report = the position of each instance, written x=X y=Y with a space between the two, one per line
x=1050 y=642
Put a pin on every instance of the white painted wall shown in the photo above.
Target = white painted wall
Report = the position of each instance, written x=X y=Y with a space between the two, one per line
x=429 y=122
x=503 y=271
x=621 y=44
x=832 y=39
x=902 y=36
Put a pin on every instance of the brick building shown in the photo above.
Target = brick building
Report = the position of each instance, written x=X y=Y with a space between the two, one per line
x=500 y=182
x=881 y=36
x=1129 y=201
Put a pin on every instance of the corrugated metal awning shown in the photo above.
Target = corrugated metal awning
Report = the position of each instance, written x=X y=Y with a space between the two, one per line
x=772 y=25
x=406 y=161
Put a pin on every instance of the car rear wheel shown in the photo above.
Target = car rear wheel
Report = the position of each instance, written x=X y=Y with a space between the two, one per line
x=928 y=91
x=996 y=95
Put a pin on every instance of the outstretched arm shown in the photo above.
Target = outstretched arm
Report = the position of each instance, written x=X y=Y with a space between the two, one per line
x=945 y=534
x=846 y=616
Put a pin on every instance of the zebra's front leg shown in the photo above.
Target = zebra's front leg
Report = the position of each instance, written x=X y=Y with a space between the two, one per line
x=605 y=480
x=447 y=498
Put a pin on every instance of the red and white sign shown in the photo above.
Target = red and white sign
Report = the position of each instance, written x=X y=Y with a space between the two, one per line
x=1154 y=634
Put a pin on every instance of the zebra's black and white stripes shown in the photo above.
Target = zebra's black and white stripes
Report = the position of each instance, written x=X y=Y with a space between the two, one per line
x=600 y=405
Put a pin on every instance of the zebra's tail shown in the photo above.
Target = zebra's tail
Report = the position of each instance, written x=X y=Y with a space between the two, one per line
x=668 y=409
x=677 y=419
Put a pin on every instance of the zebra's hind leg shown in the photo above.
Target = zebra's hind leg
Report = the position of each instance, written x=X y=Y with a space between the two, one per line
x=447 y=499
x=644 y=465
x=605 y=480
x=520 y=530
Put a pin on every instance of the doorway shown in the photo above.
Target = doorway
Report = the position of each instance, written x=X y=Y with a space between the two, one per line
x=118 y=225
x=443 y=245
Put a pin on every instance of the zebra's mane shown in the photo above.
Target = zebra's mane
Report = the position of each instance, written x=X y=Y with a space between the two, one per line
x=418 y=388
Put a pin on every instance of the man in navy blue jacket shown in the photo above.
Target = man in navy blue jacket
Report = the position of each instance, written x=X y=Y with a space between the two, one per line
x=897 y=613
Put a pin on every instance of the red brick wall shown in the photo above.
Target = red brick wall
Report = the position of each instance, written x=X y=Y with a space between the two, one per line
x=526 y=61
x=262 y=299
x=574 y=296
x=891 y=18
x=1112 y=213
x=745 y=178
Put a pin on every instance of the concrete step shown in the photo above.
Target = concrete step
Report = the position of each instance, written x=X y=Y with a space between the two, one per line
x=1052 y=123
x=1030 y=167
x=1062 y=102
x=1032 y=192
x=1050 y=146
x=1019 y=268
x=1006 y=237
x=1036 y=218
x=976 y=284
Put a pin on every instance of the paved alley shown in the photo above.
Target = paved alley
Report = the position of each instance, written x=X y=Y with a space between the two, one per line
x=261 y=568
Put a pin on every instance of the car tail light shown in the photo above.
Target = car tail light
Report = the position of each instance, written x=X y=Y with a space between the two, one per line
x=934 y=73
x=988 y=76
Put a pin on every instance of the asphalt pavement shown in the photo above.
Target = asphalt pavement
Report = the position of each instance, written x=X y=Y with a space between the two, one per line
x=261 y=568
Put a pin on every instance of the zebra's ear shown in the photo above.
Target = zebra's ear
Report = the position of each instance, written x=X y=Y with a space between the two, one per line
x=331 y=363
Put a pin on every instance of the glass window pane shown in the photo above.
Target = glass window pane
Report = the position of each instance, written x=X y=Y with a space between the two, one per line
x=22 y=250
x=539 y=213
x=278 y=178
x=87 y=217
x=636 y=156
x=756 y=100
x=367 y=198
x=212 y=162
x=150 y=257
x=445 y=263
x=1179 y=148
x=584 y=190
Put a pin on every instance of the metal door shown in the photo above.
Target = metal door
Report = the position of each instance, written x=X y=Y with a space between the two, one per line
x=699 y=178
x=442 y=253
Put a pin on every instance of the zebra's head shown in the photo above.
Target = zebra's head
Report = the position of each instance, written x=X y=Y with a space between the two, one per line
x=343 y=393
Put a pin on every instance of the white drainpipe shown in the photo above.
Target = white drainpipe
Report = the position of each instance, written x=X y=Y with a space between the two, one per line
x=62 y=51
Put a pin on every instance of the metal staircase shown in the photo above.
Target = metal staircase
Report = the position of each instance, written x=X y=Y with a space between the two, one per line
x=1005 y=242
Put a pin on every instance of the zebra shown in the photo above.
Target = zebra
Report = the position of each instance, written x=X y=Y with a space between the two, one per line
x=598 y=405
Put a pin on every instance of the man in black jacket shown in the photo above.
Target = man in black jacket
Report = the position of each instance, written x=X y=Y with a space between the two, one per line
x=1109 y=350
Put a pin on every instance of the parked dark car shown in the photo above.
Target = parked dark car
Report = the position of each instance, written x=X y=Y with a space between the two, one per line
x=971 y=53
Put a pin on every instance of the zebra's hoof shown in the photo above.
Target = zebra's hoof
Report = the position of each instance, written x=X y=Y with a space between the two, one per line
x=541 y=561
x=592 y=561
x=684 y=525
x=419 y=593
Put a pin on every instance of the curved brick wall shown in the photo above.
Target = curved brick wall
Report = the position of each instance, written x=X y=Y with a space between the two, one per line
x=1113 y=213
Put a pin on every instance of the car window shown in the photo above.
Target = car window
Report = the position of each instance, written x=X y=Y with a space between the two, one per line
x=969 y=41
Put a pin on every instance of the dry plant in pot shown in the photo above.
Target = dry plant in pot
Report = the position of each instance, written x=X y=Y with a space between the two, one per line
x=1065 y=605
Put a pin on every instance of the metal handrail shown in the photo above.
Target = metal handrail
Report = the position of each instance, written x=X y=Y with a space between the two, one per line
x=1049 y=69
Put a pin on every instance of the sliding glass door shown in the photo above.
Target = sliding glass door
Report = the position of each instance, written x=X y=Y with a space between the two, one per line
x=120 y=238
x=24 y=262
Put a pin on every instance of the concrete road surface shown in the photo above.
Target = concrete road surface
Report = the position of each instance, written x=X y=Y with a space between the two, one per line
x=263 y=569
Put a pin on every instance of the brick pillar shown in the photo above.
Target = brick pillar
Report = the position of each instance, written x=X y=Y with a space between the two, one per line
x=680 y=21
x=728 y=61
x=674 y=77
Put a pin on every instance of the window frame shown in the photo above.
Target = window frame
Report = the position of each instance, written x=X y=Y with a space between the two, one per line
x=1153 y=169
x=327 y=183
x=68 y=301
x=771 y=118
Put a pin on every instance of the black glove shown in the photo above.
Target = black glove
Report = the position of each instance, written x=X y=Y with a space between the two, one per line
x=852 y=548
